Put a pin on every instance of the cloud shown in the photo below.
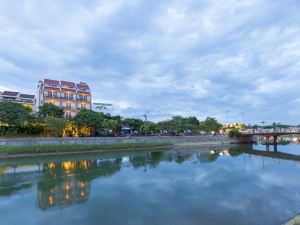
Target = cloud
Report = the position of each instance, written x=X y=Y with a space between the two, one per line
x=203 y=57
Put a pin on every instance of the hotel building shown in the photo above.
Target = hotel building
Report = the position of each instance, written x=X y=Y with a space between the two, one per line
x=17 y=97
x=72 y=97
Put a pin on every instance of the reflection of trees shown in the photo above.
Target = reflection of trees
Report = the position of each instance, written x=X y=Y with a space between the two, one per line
x=234 y=152
x=151 y=159
x=155 y=158
x=207 y=157
x=62 y=184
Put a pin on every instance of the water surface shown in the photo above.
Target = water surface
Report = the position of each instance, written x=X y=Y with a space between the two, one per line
x=217 y=185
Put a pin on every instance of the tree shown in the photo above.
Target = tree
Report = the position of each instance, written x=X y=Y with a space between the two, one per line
x=48 y=109
x=89 y=119
x=13 y=114
x=210 y=125
x=110 y=125
x=55 y=125
x=134 y=124
x=148 y=127
x=179 y=124
x=234 y=133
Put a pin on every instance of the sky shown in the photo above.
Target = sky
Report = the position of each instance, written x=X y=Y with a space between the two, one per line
x=163 y=58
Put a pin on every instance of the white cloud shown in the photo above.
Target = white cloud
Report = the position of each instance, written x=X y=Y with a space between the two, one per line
x=169 y=56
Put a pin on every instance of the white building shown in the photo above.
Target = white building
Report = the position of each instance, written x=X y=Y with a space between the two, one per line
x=102 y=107
x=17 y=97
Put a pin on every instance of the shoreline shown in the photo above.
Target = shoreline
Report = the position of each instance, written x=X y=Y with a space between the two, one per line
x=112 y=148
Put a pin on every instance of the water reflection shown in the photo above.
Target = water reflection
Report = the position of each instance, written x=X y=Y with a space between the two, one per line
x=68 y=181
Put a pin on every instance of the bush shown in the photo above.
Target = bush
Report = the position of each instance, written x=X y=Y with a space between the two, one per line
x=234 y=133
x=30 y=129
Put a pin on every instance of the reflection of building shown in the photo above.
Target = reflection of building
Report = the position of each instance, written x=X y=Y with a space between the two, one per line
x=103 y=107
x=71 y=96
x=63 y=189
x=17 y=97
x=62 y=194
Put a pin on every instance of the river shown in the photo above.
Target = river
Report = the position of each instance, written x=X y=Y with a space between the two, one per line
x=242 y=185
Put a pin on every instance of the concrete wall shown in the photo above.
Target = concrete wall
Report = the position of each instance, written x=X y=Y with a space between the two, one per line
x=109 y=140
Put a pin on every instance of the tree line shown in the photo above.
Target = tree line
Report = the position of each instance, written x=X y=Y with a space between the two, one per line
x=19 y=120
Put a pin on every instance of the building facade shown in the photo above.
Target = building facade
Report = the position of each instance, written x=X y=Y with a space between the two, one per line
x=17 y=97
x=71 y=96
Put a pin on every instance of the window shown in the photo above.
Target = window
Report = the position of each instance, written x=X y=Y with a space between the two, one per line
x=68 y=115
x=68 y=105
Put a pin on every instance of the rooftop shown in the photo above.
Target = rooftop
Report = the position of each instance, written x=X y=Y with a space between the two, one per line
x=51 y=82
x=16 y=95
x=26 y=96
x=10 y=93
x=80 y=85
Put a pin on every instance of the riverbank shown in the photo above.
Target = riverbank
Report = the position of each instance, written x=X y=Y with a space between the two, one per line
x=221 y=139
x=293 y=221
x=61 y=149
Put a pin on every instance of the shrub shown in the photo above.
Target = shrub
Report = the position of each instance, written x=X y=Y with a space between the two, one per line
x=234 y=133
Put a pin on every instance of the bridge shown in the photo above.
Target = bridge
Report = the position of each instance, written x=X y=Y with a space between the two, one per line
x=248 y=137
x=268 y=152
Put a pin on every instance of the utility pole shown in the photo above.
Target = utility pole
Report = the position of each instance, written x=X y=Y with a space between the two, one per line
x=145 y=116
x=227 y=112
x=243 y=117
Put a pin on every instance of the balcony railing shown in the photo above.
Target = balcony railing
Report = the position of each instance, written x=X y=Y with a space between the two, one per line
x=69 y=107
x=67 y=98
x=51 y=96
x=83 y=99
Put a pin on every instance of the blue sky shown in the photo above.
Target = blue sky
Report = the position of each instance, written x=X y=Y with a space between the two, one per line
x=167 y=57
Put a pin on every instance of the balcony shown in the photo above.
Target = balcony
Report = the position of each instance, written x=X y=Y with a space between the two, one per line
x=68 y=98
x=51 y=96
x=83 y=99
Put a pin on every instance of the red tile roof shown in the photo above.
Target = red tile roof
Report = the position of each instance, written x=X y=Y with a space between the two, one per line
x=52 y=82
x=68 y=83
x=83 y=85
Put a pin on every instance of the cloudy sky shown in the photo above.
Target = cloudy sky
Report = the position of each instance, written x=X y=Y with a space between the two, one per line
x=167 y=57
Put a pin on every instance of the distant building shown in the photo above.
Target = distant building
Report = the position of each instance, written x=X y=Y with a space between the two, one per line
x=103 y=107
x=71 y=96
x=17 y=97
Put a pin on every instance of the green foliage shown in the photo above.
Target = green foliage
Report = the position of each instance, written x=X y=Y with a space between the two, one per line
x=234 y=133
x=13 y=113
x=179 y=124
x=111 y=126
x=134 y=124
x=31 y=129
x=148 y=127
x=49 y=109
x=55 y=126
x=210 y=125
x=89 y=119
x=56 y=148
